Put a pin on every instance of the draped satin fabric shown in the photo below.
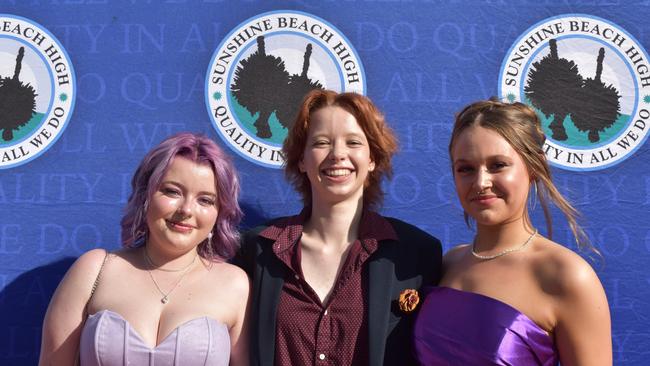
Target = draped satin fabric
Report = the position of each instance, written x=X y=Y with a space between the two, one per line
x=455 y=327
x=107 y=339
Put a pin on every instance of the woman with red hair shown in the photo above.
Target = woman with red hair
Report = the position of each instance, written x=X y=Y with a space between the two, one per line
x=326 y=282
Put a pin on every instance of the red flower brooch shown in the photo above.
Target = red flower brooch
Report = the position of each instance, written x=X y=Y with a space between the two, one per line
x=408 y=300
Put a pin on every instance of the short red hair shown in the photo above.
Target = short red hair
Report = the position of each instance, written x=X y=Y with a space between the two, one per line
x=381 y=139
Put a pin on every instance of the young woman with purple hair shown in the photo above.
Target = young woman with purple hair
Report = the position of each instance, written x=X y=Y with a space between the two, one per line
x=168 y=297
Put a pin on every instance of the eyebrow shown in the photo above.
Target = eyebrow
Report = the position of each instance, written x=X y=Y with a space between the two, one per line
x=491 y=157
x=352 y=134
x=319 y=136
x=182 y=187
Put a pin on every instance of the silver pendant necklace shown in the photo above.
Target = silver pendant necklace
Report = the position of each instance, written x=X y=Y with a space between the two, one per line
x=151 y=265
x=502 y=253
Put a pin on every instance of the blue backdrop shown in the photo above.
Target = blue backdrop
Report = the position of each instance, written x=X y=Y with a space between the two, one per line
x=140 y=69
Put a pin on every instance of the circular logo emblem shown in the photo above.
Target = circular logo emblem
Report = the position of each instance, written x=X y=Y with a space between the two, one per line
x=261 y=71
x=37 y=90
x=589 y=81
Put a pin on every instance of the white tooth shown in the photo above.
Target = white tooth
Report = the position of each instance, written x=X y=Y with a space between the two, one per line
x=337 y=172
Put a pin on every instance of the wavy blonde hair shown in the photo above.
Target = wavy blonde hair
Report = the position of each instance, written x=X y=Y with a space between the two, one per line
x=519 y=125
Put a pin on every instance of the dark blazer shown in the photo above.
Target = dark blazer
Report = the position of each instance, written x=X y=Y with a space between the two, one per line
x=412 y=261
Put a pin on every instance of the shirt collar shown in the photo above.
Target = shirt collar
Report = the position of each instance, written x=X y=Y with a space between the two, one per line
x=285 y=233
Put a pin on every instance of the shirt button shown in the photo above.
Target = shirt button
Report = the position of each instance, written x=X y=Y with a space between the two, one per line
x=325 y=311
x=297 y=277
x=321 y=356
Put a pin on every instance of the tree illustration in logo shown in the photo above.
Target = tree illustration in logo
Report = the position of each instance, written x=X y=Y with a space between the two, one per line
x=257 y=82
x=599 y=104
x=17 y=101
x=262 y=84
x=553 y=87
x=298 y=86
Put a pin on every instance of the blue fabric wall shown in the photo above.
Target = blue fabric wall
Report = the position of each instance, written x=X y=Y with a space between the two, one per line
x=141 y=68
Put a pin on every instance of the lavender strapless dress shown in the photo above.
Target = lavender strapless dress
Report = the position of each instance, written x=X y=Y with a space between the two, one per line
x=107 y=339
x=455 y=327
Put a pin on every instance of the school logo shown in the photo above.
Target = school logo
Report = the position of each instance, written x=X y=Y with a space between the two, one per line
x=37 y=90
x=589 y=81
x=262 y=69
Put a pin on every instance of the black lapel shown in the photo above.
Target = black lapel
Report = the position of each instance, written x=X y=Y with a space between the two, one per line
x=270 y=285
x=380 y=277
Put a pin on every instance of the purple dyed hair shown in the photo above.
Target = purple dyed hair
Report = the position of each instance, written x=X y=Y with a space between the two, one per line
x=147 y=179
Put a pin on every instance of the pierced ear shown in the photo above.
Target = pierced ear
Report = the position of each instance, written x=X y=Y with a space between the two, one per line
x=371 y=166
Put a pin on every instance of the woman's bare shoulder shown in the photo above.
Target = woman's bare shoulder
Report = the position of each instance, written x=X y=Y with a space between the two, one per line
x=455 y=254
x=561 y=271
x=76 y=287
x=229 y=277
x=87 y=266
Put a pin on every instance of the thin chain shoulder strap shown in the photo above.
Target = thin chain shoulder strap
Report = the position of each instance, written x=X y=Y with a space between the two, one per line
x=96 y=283
x=85 y=310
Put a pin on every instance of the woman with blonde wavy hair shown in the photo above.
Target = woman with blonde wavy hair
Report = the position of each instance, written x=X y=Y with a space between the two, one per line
x=512 y=296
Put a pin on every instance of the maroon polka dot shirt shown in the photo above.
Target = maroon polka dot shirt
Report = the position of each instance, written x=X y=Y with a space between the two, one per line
x=309 y=332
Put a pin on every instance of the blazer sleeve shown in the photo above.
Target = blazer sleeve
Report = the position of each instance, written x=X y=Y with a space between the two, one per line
x=431 y=259
x=427 y=247
x=248 y=248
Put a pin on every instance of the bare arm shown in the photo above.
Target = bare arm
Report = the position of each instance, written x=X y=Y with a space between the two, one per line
x=583 y=330
x=65 y=314
x=239 y=331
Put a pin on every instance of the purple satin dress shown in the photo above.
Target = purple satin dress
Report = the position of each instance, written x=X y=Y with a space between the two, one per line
x=107 y=339
x=455 y=327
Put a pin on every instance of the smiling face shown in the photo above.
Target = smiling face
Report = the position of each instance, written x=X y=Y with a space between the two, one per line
x=491 y=178
x=336 y=158
x=184 y=209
